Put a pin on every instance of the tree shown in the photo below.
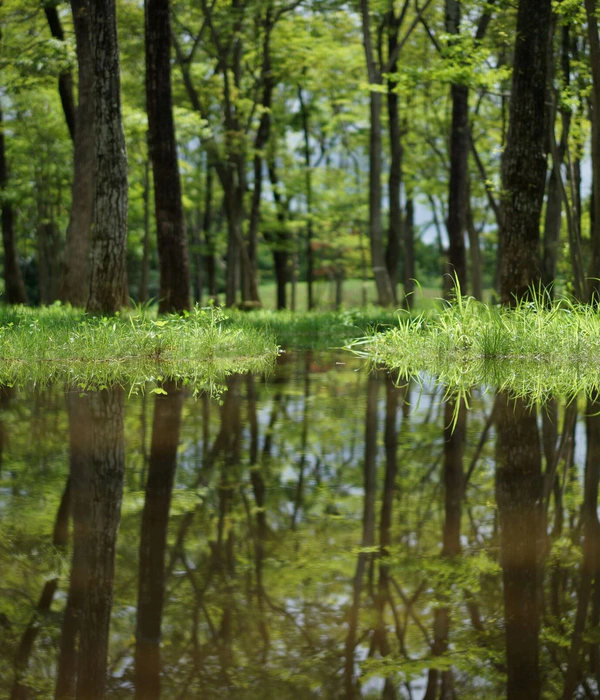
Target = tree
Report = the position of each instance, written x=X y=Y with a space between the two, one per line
x=172 y=242
x=108 y=287
x=75 y=280
x=13 y=279
x=524 y=160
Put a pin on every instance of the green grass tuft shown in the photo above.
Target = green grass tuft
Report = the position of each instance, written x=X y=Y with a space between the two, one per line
x=62 y=343
x=532 y=350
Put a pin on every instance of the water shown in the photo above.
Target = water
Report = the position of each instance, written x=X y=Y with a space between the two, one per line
x=320 y=533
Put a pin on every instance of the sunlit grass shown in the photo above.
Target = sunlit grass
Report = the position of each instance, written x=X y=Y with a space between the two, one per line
x=535 y=349
x=61 y=343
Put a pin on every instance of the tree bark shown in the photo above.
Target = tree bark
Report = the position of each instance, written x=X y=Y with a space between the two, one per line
x=524 y=160
x=459 y=159
x=174 y=295
x=155 y=520
x=109 y=239
x=14 y=288
x=594 y=268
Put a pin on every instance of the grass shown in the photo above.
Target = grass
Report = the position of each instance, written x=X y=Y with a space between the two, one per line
x=532 y=350
x=314 y=330
x=61 y=343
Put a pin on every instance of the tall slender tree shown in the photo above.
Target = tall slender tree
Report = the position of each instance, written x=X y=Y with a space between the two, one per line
x=173 y=255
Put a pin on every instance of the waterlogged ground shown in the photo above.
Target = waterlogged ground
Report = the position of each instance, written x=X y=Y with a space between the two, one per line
x=319 y=533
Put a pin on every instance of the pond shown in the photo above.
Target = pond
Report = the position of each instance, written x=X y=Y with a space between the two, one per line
x=322 y=532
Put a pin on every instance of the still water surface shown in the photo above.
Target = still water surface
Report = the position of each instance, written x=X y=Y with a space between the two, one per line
x=319 y=533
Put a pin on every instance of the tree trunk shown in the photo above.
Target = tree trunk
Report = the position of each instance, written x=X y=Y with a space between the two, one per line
x=408 y=240
x=234 y=220
x=174 y=295
x=308 y=185
x=524 y=160
x=155 y=520
x=143 y=291
x=101 y=492
x=209 y=258
x=459 y=159
x=197 y=256
x=109 y=240
x=380 y=273
x=392 y=254
x=262 y=137
x=65 y=79
x=14 y=289
x=594 y=268
x=518 y=496
x=279 y=243
x=475 y=253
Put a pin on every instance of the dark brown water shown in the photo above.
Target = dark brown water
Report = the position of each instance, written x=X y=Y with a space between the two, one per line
x=322 y=533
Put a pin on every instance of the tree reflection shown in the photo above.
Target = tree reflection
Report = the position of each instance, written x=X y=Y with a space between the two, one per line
x=97 y=465
x=519 y=490
x=162 y=464
x=323 y=542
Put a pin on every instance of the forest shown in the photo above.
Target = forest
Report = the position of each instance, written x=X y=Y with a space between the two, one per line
x=300 y=350
x=298 y=154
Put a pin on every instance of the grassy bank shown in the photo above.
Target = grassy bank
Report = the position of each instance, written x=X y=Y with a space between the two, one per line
x=60 y=343
x=531 y=350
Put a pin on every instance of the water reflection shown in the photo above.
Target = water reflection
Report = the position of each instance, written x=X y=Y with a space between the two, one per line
x=323 y=533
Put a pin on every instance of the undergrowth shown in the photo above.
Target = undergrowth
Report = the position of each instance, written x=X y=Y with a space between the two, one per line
x=532 y=350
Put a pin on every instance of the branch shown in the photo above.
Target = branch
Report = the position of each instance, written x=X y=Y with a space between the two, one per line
x=393 y=57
